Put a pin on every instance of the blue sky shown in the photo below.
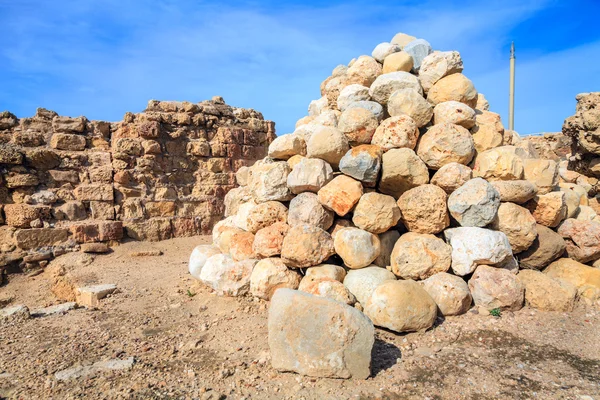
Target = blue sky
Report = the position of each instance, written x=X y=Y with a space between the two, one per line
x=101 y=58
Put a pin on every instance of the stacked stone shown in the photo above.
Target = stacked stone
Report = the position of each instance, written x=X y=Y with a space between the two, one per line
x=402 y=195
x=162 y=173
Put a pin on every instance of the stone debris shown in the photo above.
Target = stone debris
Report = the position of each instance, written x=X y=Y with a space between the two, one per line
x=17 y=312
x=90 y=296
x=80 y=371
x=54 y=310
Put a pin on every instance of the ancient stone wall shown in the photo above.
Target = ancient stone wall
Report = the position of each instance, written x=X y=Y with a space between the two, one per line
x=155 y=175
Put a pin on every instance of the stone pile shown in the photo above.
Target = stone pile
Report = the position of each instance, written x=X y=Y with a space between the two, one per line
x=402 y=195
x=69 y=182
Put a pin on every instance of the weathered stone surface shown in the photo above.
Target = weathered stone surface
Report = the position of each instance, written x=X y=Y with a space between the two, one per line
x=437 y=65
x=303 y=339
x=198 y=258
x=268 y=181
x=387 y=240
x=376 y=212
x=309 y=175
x=418 y=49
x=241 y=246
x=268 y=241
x=488 y=131
x=585 y=278
x=14 y=313
x=402 y=306
x=582 y=239
x=269 y=275
x=241 y=218
x=306 y=209
x=358 y=248
x=496 y=288
x=475 y=203
x=482 y=103
x=62 y=308
x=518 y=224
x=329 y=144
x=363 y=71
x=542 y=173
x=547 y=247
x=382 y=50
x=358 y=124
x=501 y=163
x=235 y=198
x=373 y=106
x=383 y=87
x=402 y=170
x=402 y=39
x=454 y=112
x=306 y=246
x=94 y=192
x=28 y=239
x=352 y=93
x=362 y=282
x=451 y=176
x=90 y=296
x=221 y=227
x=21 y=215
x=286 y=146
x=65 y=141
x=341 y=194
x=419 y=256
x=94 y=248
x=226 y=276
x=362 y=163
x=548 y=209
x=454 y=87
x=472 y=246
x=294 y=160
x=327 y=287
x=518 y=192
x=266 y=214
x=586 y=213
x=423 y=209
x=398 y=62
x=102 y=231
x=410 y=102
x=450 y=293
x=396 y=132
x=446 y=143
x=545 y=293
x=328 y=271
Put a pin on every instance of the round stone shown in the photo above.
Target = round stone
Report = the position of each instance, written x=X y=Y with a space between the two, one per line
x=306 y=246
x=452 y=176
x=396 y=132
x=363 y=282
x=402 y=170
x=518 y=224
x=376 y=212
x=398 y=62
x=362 y=163
x=501 y=163
x=309 y=175
x=341 y=194
x=410 y=102
x=266 y=214
x=419 y=256
x=364 y=71
x=199 y=256
x=358 y=124
x=382 y=50
x=446 y=143
x=269 y=275
x=455 y=87
x=352 y=93
x=306 y=209
x=454 y=112
x=358 y=248
x=385 y=85
x=328 y=144
x=286 y=146
x=475 y=203
x=438 y=65
x=418 y=49
x=496 y=288
x=268 y=241
x=226 y=276
x=423 y=209
x=450 y=293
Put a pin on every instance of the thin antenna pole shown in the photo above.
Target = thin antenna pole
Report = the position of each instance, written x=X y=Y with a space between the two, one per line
x=511 y=94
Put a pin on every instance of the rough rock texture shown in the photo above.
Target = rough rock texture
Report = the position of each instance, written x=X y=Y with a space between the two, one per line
x=306 y=246
x=419 y=256
x=402 y=306
x=545 y=293
x=376 y=212
x=268 y=241
x=454 y=112
x=362 y=163
x=362 y=282
x=496 y=288
x=446 y=143
x=518 y=224
x=269 y=275
x=452 y=176
x=328 y=144
x=518 y=192
x=341 y=194
x=226 y=276
x=501 y=163
x=548 y=209
x=402 y=170
x=454 y=87
x=585 y=278
x=329 y=271
x=358 y=248
x=199 y=256
x=423 y=209
x=396 y=132
x=411 y=103
x=327 y=287
x=306 y=209
x=316 y=336
x=475 y=203
x=450 y=293
x=309 y=175
x=582 y=239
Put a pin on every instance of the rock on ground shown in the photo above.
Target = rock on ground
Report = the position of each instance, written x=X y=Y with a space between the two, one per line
x=423 y=209
x=329 y=271
x=358 y=248
x=362 y=282
x=450 y=293
x=547 y=247
x=226 y=276
x=319 y=337
x=419 y=256
x=496 y=288
x=585 y=278
x=545 y=293
x=327 y=287
x=269 y=275
x=582 y=239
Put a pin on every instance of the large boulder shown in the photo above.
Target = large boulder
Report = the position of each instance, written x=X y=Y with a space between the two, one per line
x=358 y=124
x=373 y=106
x=450 y=293
x=364 y=71
x=226 y=276
x=268 y=181
x=396 y=132
x=518 y=192
x=268 y=241
x=410 y=102
x=402 y=39
x=269 y=275
x=326 y=271
x=327 y=143
x=402 y=170
x=472 y=246
x=518 y=224
x=542 y=173
x=446 y=143
x=398 y=62
x=547 y=247
x=419 y=256
x=327 y=287
x=362 y=163
x=235 y=198
x=241 y=246
x=266 y=214
x=383 y=87
x=501 y=163
x=437 y=65
x=455 y=87
x=402 y=306
x=423 y=209
x=496 y=288
x=548 y=209
x=545 y=293
x=475 y=203
x=341 y=194
x=585 y=278
x=309 y=175
x=286 y=146
x=306 y=209
x=582 y=239
x=352 y=93
x=358 y=248
x=452 y=176
x=418 y=49
x=454 y=112
x=362 y=282
x=488 y=131
x=303 y=339
x=306 y=246
x=376 y=212
x=198 y=258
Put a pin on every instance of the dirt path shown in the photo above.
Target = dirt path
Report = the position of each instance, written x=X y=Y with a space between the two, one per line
x=188 y=343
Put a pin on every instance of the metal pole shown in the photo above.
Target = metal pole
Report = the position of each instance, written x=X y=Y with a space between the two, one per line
x=511 y=95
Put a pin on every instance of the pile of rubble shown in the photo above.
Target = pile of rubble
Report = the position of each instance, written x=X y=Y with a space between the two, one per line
x=402 y=195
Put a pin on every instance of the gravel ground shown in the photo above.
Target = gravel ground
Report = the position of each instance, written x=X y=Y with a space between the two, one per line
x=187 y=343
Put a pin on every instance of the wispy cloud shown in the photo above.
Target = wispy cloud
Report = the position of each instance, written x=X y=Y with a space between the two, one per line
x=101 y=58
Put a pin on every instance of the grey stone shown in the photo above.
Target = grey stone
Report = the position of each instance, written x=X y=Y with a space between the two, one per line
x=418 y=50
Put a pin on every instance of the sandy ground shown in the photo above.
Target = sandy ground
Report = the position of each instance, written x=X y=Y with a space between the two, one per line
x=188 y=343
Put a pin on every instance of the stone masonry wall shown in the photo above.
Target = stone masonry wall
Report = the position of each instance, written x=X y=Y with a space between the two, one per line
x=155 y=175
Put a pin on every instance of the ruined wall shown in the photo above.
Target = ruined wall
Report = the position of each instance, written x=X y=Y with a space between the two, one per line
x=155 y=175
